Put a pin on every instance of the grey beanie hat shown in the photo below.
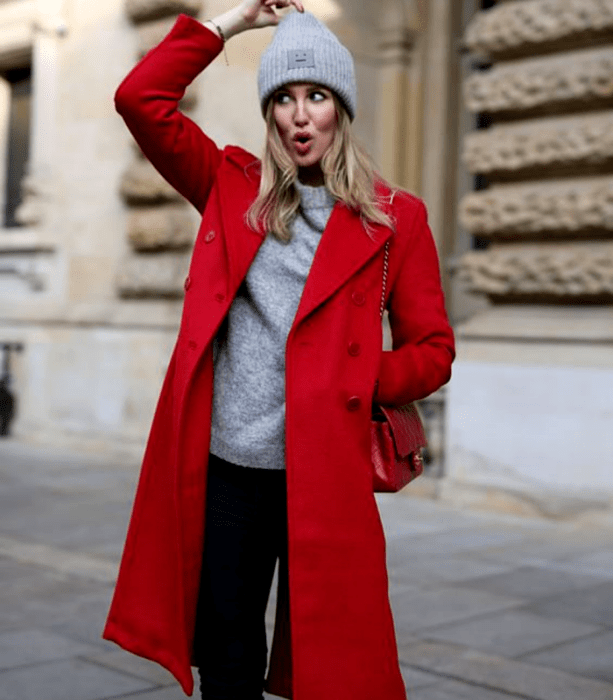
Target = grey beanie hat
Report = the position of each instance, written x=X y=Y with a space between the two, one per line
x=304 y=50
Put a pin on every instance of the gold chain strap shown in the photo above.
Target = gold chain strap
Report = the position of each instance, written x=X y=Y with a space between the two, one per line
x=386 y=265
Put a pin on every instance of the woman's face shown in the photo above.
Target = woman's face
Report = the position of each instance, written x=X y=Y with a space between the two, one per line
x=306 y=118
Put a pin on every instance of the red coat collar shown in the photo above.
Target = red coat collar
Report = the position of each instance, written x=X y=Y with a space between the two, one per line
x=344 y=249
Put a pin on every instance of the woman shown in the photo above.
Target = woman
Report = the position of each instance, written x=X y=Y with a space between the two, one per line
x=260 y=445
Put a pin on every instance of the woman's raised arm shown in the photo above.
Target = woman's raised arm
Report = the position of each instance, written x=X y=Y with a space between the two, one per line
x=148 y=99
x=149 y=95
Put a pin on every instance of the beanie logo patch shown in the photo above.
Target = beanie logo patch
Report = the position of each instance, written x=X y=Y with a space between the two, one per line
x=301 y=58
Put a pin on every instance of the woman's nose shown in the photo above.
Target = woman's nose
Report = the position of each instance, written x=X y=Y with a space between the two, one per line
x=300 y=113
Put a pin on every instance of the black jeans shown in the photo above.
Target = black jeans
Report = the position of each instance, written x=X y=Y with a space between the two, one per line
x=245 y=534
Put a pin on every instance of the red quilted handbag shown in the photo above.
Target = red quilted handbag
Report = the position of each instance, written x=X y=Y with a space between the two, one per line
x=397 y=436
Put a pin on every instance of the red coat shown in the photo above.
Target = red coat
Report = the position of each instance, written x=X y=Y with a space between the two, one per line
x=342 y=636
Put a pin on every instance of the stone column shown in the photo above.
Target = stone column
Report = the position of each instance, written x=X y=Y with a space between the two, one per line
x=441 y=68
x=531 y=401
x=399 y=136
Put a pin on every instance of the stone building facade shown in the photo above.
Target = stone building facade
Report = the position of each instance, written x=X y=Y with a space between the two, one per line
x=531 y=405
x=497 y=113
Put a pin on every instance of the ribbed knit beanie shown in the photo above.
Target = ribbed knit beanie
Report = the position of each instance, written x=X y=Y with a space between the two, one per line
x=304 y=50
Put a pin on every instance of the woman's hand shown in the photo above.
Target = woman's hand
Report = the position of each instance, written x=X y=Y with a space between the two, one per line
x=252 y=14
x=261 y=13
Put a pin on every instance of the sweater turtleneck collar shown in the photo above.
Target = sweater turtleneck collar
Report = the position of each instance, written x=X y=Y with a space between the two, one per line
x=314 y=197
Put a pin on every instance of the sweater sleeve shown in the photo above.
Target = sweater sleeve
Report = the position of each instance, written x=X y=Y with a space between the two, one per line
x=148 y=99
x=423 y=342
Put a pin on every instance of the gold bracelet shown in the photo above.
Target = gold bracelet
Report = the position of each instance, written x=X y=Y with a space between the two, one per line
x=223 y=38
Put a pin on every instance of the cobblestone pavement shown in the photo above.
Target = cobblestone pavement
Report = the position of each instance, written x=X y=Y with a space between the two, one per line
x=487 y=607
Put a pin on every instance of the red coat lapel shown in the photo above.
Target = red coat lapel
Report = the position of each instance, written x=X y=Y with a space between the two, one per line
x=344 y=249
x=345 y=246
x=238 y=187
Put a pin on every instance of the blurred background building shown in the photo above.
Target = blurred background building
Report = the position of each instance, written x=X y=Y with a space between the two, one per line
x=498 y=114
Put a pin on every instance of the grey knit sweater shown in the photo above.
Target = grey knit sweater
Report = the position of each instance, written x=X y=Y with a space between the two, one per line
x=248 y=420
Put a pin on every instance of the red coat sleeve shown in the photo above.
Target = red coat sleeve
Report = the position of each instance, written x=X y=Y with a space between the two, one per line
x=148 y=99
x=423 y=343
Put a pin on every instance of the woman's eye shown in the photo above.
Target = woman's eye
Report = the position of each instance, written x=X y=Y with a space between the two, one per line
x=282 y=98
x=318 y=96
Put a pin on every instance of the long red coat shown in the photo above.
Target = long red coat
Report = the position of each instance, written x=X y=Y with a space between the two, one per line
x=341 y=643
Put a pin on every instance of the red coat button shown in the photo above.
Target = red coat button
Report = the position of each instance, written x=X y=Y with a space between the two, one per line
x=187 y=284
x=210 y=236
x=354 y=349
x=220 y=297
x=354 y=403
x=359 y=298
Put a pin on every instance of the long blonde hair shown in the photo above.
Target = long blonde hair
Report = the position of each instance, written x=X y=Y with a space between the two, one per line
x=349 y=175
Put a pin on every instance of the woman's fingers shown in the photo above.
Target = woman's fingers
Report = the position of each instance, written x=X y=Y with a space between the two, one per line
x=263 y=13
x=279 y=4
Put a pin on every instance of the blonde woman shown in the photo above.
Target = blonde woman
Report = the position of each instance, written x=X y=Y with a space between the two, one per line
x=259 y=451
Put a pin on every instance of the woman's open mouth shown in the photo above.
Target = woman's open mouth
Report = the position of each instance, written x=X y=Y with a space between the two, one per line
x=303 y=143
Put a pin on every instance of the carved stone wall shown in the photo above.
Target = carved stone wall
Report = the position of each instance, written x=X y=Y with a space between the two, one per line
x=147 y=10
x=160 y=229
x=36 y=193
x=142 y=184
x=543 y=83
x=527 y=26
x=554 y=271
x=160 y=275
x=561 y=142
x=151 y=32
x=552 y=81
x=549 y=208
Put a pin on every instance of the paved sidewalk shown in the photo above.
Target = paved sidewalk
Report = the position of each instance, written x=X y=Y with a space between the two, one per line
x=486 y=607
